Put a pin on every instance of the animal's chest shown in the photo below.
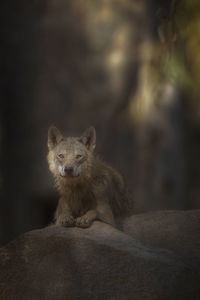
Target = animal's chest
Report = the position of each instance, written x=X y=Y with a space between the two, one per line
x=80 y=201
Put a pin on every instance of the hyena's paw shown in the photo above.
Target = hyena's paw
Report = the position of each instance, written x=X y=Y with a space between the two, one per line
x=67 y=221
x=84 y=221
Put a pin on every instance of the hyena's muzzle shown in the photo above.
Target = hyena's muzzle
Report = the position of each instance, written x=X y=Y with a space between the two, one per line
x=68 y=171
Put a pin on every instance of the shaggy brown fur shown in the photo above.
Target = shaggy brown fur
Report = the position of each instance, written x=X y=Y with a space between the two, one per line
x=89 y=188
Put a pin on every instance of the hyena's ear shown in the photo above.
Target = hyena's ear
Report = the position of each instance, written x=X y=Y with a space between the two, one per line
x=88 y=138
x=54 y=137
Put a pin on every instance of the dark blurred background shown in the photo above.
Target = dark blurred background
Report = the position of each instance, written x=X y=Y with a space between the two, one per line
x=131 y=68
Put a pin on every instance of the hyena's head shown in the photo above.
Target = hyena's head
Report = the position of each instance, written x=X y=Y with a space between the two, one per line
x=70 y=157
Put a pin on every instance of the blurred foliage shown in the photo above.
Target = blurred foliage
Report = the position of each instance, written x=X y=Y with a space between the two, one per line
x=171 y=55
x=180 y=37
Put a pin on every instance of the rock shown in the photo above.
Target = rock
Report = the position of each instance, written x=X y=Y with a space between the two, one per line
x=178 y=231
x=100 y=262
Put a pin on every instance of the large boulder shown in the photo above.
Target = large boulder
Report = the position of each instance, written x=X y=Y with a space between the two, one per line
x=178 y=231
x=100 y=262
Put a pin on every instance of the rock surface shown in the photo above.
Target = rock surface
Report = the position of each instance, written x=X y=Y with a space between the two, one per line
x=178 y=231
x=100 y=262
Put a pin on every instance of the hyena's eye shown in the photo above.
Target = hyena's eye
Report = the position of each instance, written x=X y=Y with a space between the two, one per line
x=60 y=156
x=79 y=156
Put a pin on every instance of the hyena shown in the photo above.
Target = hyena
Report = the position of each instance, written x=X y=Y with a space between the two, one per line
x=89 y=188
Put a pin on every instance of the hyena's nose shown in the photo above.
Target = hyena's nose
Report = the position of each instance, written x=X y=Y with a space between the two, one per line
x=69 y=170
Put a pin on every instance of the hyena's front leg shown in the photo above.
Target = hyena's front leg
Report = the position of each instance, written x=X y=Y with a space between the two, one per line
x=65 y=220
x=87 y=219
x=103 y=208
x=63 y=214
x=104 y=213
